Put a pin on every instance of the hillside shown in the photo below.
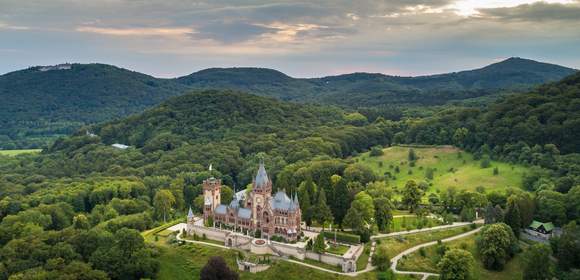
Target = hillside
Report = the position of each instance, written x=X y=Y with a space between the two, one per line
x=42 y=103
x=517 y=128
x=367 y=89
x=39 y=105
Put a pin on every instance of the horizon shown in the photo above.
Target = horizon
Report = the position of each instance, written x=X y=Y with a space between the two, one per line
x=307 y=39
x=294 y=77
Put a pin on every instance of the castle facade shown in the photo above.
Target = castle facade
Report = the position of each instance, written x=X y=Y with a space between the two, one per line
x=256 y=210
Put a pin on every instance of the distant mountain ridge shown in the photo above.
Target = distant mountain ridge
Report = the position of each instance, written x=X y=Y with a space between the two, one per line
x=372 y=89
x=41 y=103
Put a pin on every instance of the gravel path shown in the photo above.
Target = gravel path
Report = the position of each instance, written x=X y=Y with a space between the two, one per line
x=425 y=275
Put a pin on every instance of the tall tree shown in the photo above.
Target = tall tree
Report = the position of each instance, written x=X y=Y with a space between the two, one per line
x=323 y=213
x=412 y=195
x=537 y=262
x=512 y=216
x=163 y=202
x=381 y=258
x=568 y=252
x=361 y=214
x=341 y=198
x=383 y=212
x=456 y=264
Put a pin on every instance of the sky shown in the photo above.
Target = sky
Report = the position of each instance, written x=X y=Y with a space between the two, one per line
x=314 y=38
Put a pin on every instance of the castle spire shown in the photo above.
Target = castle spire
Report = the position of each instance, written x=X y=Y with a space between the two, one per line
x=190 y=213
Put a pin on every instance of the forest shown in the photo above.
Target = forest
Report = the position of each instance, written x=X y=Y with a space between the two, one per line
x=76 y=210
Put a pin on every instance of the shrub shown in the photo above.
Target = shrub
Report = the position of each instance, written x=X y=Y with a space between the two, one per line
x=343 y=237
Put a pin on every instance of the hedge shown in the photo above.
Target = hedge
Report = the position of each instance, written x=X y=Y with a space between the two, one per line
x=343 y=237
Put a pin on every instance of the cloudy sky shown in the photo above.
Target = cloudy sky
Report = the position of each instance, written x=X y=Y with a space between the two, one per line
x=168 y=38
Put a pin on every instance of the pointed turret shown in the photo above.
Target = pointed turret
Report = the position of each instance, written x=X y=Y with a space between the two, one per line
x=190 y=213
x=261 y=177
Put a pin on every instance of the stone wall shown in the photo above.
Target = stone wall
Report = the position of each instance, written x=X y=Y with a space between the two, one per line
x=210 y=233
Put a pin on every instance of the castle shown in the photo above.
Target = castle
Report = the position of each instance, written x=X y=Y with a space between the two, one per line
x=256 y=210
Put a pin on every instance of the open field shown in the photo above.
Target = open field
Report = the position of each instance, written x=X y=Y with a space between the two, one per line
x=452 y=168
x=12 y=153
x=398 y=244
x=428 y=263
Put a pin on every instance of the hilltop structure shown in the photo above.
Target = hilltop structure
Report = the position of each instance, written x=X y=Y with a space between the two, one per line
x=256 y=211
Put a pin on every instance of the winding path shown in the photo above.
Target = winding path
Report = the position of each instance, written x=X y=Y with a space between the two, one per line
x=425 y=275
x=370 y=267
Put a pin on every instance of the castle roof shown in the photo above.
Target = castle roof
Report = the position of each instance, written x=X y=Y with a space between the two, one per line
x=235 y=204
x=221 y=209
x=190 y=213
x=281 y=201
x=262 y=177
x=244 y=213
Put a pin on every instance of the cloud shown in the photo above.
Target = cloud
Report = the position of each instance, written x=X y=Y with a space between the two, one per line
x=535 y=12
x=144 y=31
x=13 y=27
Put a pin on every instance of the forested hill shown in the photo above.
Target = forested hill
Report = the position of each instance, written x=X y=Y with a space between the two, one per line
x=38 y=105
x=367 y=89
x=517 y=127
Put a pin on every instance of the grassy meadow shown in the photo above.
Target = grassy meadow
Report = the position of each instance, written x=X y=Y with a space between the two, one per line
x=428 y=262
x=12 y=153
x=452 y=168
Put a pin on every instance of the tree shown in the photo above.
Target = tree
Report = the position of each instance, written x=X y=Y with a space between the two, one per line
x=341 y=198
x=323 y=213
x=489 y=214
x=412 y=195
x=496 y=244
x=512 y=216
x=306 y=207
x=537 y=262
x=485 y=162
x=376 y=151
x=568 y=252
x=361 y=213
x=217 y=269
x=412 y=156
x=467 y=214
x=319 y=245
x=383 y=212
x=456 y=264
x=381 y=258
x=81 y=221
x=429 y=173
x=163 y=202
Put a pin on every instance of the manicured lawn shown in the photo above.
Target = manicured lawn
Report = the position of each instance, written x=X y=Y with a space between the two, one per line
x=467 y=173
x=321 y=264
x=363 y=260
x=339 y=249
x=410 y=222
x=18 y=152
x=428 y=263
x=398 y=244
x=186 y=262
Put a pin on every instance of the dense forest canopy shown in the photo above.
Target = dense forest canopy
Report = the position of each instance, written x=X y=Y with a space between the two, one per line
x=39 y=106
x=77 y=209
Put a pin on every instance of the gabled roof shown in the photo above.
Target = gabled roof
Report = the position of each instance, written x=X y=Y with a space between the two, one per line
x=537 y=225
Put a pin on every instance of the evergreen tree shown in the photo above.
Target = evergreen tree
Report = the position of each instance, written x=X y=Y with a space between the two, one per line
x=319 y=245
x=306 y=207
x=322 y=213
x=412 y=156
x=341 y=199
x=490 y=214
x=512 y=216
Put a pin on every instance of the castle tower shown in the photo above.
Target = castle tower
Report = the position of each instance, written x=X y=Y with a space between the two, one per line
x=211 y=196
x=261 y=194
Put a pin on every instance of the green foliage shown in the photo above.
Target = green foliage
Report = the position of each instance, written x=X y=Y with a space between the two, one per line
x=512 y=216
x=216 y=268
x=537 y=262
x=376 y=151
x=496 y=244
x=342 y=237
x=381 y=258
x=412 y=195
x=568 y=247
x=361 y=213
x=319 y=246
x=456 y=264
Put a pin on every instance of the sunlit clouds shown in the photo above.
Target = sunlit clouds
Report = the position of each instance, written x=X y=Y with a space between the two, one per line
x=301 y=38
